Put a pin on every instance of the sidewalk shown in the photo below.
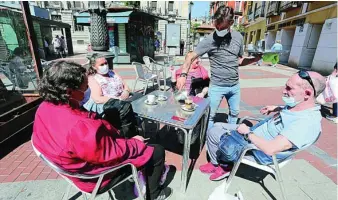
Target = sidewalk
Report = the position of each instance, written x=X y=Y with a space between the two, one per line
x=311 y=175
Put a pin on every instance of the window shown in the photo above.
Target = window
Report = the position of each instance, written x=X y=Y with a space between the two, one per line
x=77 y=4
x=237 y=6
x=154 y=5
x=78 y=28
x=79 y=41
x=56 y=18
x=171 y=6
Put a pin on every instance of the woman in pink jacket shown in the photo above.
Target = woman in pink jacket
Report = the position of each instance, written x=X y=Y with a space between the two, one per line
x=78 y=143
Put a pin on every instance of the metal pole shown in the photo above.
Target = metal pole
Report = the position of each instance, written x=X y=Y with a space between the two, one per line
x=189 y=26
x=33 y=44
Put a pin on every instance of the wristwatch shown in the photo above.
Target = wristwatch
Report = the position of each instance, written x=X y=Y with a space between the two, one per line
x=246 y=136
x=183 y=75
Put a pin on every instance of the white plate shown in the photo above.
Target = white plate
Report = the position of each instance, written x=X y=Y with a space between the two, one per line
x=162 y=98
x=189 y=110
x=148 y=103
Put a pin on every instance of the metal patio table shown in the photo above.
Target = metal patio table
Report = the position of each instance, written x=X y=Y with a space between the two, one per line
x=163 y=113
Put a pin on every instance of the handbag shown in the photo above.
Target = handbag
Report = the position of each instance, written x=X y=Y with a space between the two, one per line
x=120 y=114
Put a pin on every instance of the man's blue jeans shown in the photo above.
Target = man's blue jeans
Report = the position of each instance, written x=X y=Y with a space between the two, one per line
x=233 y=97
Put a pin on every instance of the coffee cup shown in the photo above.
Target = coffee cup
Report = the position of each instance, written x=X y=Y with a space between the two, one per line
x=151 y=98
x=188 y=103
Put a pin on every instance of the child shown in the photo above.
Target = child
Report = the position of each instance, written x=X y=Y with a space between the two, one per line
x=197 y=80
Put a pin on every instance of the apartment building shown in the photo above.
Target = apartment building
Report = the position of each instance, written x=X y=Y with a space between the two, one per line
x=308 y=30
x=173 y=12
x=254 y=22
x=65 y=11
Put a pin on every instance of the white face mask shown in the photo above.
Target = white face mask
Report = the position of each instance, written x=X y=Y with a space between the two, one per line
x=103 y=69
x=290 y=101
x=222 y=33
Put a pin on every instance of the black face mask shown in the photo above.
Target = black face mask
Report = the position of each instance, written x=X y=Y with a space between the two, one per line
x=222 y=40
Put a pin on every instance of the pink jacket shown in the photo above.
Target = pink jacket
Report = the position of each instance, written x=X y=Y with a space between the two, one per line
x=203 y=71
x=80 y=144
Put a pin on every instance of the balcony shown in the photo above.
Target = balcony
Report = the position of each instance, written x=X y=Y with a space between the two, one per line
x=251 y=17
x=53 y=4
x=273 y=8
x=289 y=5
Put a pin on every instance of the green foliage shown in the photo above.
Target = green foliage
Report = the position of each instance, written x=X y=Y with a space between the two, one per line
x=240 y=28
x=134 y=4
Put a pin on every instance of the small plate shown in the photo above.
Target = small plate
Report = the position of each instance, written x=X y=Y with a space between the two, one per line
x=162 y=98
x=148 y=103
x=189 y=110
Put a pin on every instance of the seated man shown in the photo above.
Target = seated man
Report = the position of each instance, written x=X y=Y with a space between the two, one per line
x=290 y=128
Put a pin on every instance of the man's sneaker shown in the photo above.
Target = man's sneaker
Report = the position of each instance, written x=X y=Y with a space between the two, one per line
x=164 y=174
x=220 y=173
x=208 y=168
x=164 y=194
x=142 y=183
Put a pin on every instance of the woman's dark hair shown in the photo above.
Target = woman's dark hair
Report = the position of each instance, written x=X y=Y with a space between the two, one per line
x=224 y=12
x=92 y=61
x=59 y=77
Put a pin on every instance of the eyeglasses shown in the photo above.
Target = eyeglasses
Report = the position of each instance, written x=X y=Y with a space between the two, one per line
x=304 y=75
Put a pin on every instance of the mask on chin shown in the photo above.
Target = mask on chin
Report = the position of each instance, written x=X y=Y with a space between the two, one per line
x=103 y=69
x=290 y=101
x=222 y=33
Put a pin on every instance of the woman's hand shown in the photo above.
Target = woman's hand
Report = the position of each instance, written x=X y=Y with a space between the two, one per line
x=124 y=95
x=138 y=137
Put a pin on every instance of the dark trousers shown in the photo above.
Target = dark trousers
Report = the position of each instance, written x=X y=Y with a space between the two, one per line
x=153 y=171
x=334 y=108
x=181 y=50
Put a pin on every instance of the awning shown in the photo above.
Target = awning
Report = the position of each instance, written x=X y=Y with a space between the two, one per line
x=116 y=18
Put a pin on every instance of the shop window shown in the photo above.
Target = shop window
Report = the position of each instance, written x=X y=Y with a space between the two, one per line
x=79 y=41
x=171 y=6
x=79 y=28
x=17 y=74
x=56 y=18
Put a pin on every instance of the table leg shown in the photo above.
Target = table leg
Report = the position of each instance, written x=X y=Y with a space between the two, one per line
x=185 y=163
x=204 y=128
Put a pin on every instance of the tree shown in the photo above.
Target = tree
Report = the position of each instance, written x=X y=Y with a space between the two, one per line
x=134 y=4
x=240 y=28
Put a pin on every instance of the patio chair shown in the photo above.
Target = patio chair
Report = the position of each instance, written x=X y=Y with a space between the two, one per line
x=272 y=169
x=94 y=193
x=156 y=67
x=144 y=74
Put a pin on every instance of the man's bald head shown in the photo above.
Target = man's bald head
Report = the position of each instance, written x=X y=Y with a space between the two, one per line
x=319 y=82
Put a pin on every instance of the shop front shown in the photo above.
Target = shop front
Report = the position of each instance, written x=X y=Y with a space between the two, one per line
x=131 y=34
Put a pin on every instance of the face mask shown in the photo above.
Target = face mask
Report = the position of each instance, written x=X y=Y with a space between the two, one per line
x=290 y=101
x=103 y=69
x=222 y=33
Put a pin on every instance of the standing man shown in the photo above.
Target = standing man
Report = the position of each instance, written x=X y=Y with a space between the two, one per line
x=224 y=48
x=57 y=46
x=181 y=47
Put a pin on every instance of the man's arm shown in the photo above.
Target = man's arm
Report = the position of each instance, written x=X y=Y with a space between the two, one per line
x=247 y=61
x=272 y=147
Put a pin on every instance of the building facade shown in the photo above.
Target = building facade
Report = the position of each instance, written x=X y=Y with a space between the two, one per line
x=308 y=30
x=172 y=12
x=66 y=11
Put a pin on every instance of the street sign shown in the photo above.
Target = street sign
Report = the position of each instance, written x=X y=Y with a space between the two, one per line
x=173 y=35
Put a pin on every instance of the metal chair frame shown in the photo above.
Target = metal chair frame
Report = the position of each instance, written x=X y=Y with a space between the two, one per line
x=144 y=74
x=100 y=176
x=273 y=168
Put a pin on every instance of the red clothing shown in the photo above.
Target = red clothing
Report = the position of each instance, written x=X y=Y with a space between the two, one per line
x=80 y=144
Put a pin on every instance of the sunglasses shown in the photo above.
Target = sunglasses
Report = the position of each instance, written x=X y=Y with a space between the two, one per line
x=304 y=75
